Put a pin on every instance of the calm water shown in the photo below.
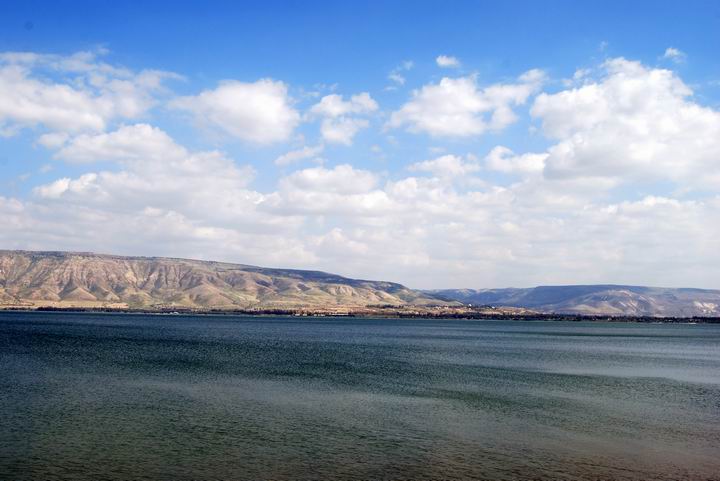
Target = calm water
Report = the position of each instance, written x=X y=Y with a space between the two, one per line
x=175 y=397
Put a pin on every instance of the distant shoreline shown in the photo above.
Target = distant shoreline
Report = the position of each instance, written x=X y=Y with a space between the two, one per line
x=367 y=313
x=66 y=280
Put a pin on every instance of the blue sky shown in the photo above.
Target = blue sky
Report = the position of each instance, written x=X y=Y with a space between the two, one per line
x=469 y=144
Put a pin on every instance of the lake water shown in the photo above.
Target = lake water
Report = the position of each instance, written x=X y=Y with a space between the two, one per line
x=89 y=396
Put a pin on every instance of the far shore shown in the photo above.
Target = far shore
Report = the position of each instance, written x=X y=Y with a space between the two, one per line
x=388 y=312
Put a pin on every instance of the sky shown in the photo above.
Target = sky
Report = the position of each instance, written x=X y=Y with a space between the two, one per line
x=437 y=144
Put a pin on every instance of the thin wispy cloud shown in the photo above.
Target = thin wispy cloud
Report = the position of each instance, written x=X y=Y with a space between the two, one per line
x=674 y=54
x=397 y=75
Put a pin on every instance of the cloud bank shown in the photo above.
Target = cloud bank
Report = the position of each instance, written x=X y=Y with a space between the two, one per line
x=624 y=186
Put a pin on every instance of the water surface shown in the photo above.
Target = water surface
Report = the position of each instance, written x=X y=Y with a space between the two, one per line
x=90 y=396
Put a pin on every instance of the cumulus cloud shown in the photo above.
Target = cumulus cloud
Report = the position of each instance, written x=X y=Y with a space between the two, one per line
x=260 y=112
x=53 y=140
x=136 y=143
x=448 y=221
x=446 y=61
x=633 y=123
x=447 y=166
x=154 y=172
x=342 y=130
x=458 y=107
x=340 y=123
x=341 y=192
x=504 y=160
x=337 y=245
x=341 y=179
x=428 y=231
x=334 y=106
x=71 y=93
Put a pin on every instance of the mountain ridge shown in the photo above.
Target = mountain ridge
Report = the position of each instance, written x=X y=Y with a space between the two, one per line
x=32 y=279
x=85 y=279
x=596 y=299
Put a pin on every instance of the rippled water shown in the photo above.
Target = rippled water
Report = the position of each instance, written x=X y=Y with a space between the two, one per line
x=86 y=396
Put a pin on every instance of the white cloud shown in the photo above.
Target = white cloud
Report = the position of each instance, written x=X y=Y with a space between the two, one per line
x=504 y=160
x=396 y=74
x=342 y=192
x=334 y=105
x=54 y=189
x=341 y=179
x=397 y=78
x=336 y=244
x=342 y=130
x=634 y=123
x=460 y=108
x=674 y=54
x=307 y=152
x=446 y=61
x=443 y=223
x=53 y=140
x=338 y=124
x=578 y=77
x=29 y=102
x=154 y=172
x=71 y=94
x=260 y=112
x=447 y=166
x=425 y=231
x=136 y=143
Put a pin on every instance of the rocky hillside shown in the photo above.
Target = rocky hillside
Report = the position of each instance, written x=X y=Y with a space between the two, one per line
x=63 y=279
x=597 y=299
x=90 y=280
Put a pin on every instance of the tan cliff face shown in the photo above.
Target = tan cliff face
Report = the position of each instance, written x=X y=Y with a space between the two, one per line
x=92 y=280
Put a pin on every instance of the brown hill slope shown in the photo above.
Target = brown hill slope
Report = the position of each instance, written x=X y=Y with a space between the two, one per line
x=92 y=280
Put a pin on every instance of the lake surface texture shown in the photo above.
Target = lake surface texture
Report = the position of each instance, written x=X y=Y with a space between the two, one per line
x=88 y=396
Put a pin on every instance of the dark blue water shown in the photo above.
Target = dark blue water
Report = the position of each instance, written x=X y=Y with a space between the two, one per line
x=86 y=396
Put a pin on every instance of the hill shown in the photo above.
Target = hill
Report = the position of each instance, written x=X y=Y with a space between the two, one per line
x=67 y=279
x=76 y=279
x=596 y=300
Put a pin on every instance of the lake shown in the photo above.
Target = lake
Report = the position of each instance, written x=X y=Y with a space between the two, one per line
x=175 y=397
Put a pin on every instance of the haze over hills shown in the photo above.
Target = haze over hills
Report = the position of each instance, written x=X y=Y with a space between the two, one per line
x=68 y=279
x=93 y=280
x=596 y=299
